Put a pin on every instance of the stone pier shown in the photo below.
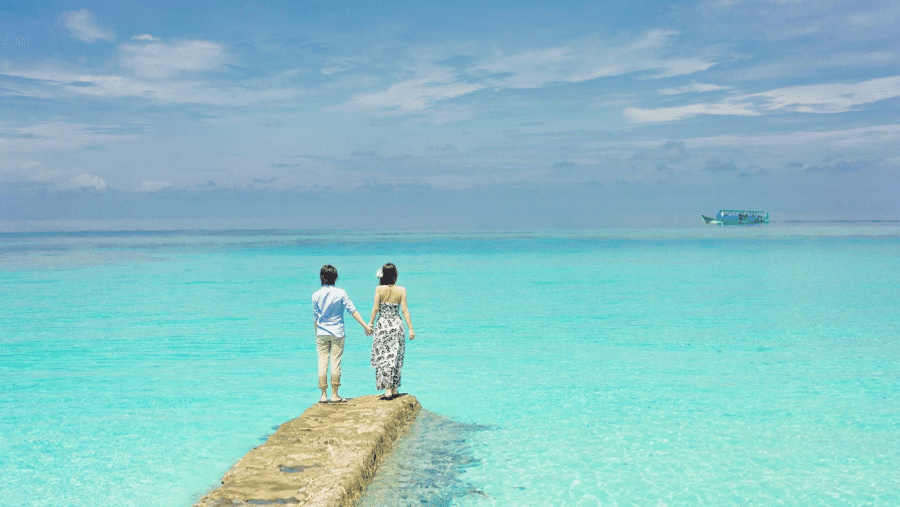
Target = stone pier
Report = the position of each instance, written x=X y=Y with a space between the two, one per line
x=324 y=458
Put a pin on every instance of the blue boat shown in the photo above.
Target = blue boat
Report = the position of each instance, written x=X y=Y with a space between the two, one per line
x=738 y=217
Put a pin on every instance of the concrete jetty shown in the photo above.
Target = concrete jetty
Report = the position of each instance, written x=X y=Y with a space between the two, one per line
x=324 y=458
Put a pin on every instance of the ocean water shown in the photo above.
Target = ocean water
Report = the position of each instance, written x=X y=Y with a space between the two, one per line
x=648 y=367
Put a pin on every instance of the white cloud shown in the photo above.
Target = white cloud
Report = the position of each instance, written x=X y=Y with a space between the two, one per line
x=670 y=67
x=414 y=94
x=88 y=181
x=154 y=186
x=533 y=69
x=654 y=39
x=49 y=82
x=825 y=147
x=581 y=61
x=20 y=167
x=693 y=88
x=158 y=59
x=337 y=66
x=847 y=139
x=586 y=60
x=148 y=59
x=818 y=98
x=55 y=136
x=83 y=25
x=637 y=115
x=830 y=97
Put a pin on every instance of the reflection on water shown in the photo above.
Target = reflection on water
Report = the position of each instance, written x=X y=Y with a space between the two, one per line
x=426 y=465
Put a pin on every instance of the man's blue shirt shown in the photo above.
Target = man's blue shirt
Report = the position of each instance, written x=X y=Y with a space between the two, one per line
x=329 y=304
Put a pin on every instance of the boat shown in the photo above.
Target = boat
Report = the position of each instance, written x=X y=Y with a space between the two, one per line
x=738 y=217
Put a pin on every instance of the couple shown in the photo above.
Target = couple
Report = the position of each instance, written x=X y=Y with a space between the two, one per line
x=388 y=344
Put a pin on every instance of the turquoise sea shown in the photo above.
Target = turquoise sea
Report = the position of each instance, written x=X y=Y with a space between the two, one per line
x=622 y=367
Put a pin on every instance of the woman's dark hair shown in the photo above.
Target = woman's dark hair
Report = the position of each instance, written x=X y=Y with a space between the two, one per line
x=328 y=274
x=388 y=274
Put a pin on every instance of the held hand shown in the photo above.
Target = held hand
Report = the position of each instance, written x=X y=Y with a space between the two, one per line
x=369 y=330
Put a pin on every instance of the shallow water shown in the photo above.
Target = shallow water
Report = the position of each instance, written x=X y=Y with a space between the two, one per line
x=722 y=366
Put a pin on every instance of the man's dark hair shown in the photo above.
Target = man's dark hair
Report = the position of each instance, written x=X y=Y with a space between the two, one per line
x=328 y=274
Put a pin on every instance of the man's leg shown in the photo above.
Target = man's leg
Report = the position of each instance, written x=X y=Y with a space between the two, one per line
x=323 y=347
x=337 y=353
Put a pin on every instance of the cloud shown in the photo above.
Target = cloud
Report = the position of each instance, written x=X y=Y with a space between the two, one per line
x=693 y=88
x=668 y=152
x=337 y=66
x=829 y=97
x=145 y=61
x=638 y=115
x=785 y=21
x=671 y=67
x=441 y=78
x=47 y=83
x=415 y=94
x=720 y=166
x=57 y=136
x=870 y=138
x=590 y=59
x=83 y=26
x=154 y=186
x=89 y=181
x=156 y=59
x=841 y=167
x=750 y=173
x=13 y=47
x=818 y=98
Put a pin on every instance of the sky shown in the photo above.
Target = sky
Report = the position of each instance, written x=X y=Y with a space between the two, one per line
x=448 y=115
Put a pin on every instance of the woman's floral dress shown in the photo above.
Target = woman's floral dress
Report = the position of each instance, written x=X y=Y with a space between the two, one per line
x=388 y=346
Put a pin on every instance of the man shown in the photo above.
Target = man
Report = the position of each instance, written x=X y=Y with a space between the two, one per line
x=329 y=304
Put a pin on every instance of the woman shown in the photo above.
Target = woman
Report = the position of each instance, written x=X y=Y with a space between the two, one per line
x=388 y=343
